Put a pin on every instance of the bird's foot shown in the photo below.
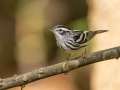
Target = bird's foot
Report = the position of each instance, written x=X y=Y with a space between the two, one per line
x=66 y=66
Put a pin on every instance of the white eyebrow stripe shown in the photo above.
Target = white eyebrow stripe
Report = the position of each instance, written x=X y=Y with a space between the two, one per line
x=65 y=29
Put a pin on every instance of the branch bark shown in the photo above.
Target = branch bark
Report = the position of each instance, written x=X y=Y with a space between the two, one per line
x=44 y=72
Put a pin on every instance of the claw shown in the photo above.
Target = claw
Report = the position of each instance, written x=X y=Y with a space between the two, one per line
x=65 y=67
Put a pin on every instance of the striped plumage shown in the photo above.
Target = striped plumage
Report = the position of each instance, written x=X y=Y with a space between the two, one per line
x=73 y=40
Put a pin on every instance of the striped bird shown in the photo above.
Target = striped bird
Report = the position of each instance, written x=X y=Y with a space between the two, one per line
x=73 y=39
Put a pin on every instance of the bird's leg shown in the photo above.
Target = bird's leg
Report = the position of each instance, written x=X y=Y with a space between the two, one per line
x=66 y=64
x=83 y=54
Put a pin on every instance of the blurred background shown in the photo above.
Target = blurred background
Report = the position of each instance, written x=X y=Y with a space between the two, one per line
x=27 y=44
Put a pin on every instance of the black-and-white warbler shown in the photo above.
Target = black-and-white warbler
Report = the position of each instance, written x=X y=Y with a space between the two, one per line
x=73 y=39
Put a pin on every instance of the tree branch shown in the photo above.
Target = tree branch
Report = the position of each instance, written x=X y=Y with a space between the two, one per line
x=48 y=71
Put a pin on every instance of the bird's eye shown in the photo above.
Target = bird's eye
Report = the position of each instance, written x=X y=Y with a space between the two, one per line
x=61 y=31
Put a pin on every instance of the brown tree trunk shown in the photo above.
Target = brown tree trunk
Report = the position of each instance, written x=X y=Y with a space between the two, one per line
x=104 y=14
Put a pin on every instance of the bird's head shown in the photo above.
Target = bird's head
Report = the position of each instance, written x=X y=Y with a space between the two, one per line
x=60 y=30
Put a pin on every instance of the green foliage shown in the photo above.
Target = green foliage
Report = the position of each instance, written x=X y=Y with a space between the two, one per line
x=80 y=24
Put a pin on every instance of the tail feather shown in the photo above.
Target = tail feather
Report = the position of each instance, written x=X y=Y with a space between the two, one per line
x=100 y=31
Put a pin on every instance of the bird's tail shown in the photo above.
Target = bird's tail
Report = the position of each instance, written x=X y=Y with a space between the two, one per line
x=99 y=31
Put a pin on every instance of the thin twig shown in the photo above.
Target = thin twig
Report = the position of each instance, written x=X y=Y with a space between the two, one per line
x=44 y=72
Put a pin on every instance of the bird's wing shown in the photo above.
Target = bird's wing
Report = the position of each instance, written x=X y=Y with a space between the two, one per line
x=76 y=34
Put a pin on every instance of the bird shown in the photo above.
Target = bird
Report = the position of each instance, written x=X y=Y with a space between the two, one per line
x=71 y=40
